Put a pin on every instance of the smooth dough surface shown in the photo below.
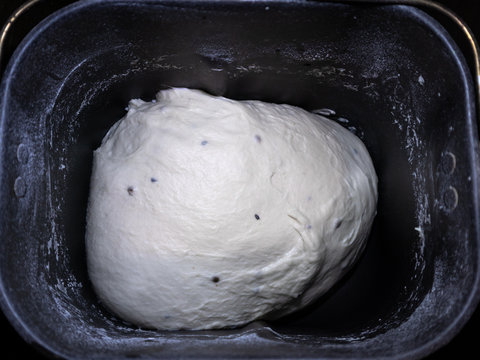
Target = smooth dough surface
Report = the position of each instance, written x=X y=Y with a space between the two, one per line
x=205 y=212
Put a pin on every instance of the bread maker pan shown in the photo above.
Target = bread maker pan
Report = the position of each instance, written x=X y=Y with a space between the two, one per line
x=390 y=73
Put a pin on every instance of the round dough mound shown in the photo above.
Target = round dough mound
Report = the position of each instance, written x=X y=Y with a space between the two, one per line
x=205 y=212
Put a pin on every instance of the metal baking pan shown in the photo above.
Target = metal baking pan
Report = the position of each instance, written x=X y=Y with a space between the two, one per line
x=391 y=73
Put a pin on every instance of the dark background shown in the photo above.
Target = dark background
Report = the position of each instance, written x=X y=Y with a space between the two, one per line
x=463 y=346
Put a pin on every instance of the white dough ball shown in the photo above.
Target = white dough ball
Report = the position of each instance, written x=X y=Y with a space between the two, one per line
x=205 y=212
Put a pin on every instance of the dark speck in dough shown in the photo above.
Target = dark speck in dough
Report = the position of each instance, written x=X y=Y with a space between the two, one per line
x=257 y=217
x=153 y=179
x=338 y=224
x=130 y=190
x=258 y=138
x=204 y=142
x=215 y=279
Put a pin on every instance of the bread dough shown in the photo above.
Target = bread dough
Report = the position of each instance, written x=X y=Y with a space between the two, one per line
x=205 y=212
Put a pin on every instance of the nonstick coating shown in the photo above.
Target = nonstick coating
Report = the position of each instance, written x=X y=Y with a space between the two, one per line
x=391 y=73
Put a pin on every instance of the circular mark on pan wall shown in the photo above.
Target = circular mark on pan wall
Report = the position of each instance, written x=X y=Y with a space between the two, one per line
x=448 y=163
x=19 y=187
x=450 y=198
x=22 y=154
